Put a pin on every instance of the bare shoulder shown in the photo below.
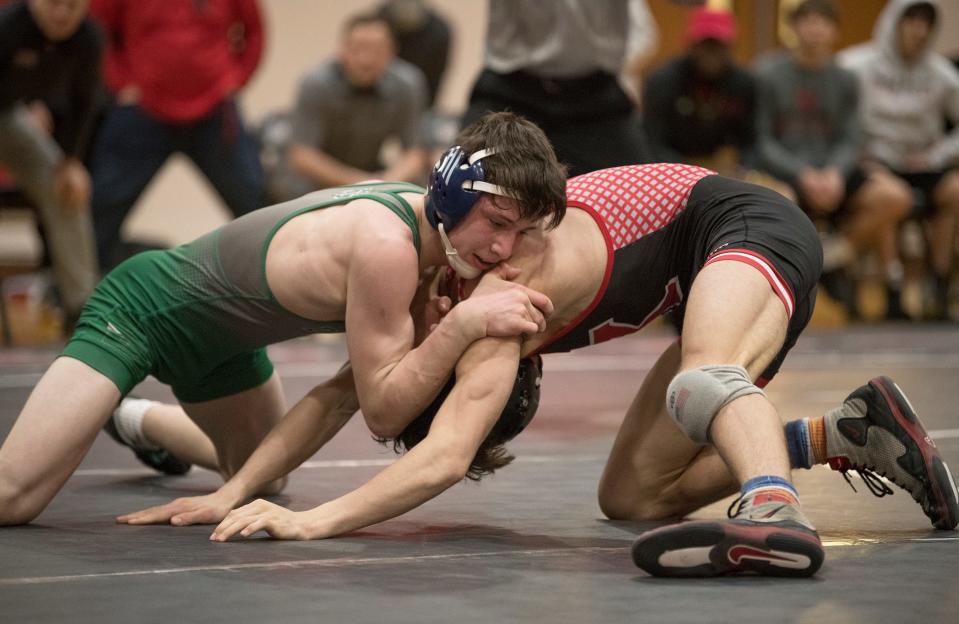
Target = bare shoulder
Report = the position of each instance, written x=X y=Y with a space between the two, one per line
x=568 y=263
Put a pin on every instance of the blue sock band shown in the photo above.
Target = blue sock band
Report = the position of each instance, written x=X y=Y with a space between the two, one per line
x=767 y=481
x=797 y=441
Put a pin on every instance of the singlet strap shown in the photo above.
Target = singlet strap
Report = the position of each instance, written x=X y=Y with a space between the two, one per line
x=401 y=208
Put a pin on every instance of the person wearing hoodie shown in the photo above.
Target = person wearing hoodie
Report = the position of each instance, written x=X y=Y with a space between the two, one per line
x=810 y=137
x=907 y=89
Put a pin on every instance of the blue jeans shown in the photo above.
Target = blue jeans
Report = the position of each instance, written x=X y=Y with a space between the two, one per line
x=130 y=147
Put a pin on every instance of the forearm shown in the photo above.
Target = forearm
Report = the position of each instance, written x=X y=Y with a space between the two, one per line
x=401 y=392
x=484 y=380
x=309 y=425
x=417 y=477
x=322 y=168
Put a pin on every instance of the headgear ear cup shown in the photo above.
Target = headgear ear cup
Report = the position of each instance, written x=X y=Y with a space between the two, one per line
x=523 y=399
x=520 y=407
x=455 y=184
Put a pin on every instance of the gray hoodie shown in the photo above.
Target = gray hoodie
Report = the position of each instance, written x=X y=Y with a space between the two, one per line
x=903 y=106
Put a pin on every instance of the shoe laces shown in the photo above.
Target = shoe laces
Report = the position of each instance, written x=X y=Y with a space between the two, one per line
x=739 y=502
x=873 y=479
x=874 y=482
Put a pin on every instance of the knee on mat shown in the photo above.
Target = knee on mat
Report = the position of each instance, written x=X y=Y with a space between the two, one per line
x=621 y=503
x=16 y=505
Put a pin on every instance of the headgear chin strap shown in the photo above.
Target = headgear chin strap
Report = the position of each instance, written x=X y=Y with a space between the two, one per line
x=455 y=186
x=463 y=268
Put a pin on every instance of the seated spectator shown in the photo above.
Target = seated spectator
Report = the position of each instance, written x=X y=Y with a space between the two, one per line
x=906 y=89
x=700 y=107
x=810 y=137
x=348 y=108
x=50 y=47
x=174 y=68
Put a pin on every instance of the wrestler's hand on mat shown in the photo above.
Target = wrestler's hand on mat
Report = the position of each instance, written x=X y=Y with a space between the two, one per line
x=208 y=509
x=260 y=515
x=506 y=309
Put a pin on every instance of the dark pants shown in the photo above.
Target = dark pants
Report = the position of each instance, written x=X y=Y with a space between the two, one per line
x=131 y=146
x=590 y=121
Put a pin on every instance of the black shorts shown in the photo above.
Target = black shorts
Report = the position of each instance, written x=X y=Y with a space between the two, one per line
x=923 y=185
x=724 y=219
x=736 y=220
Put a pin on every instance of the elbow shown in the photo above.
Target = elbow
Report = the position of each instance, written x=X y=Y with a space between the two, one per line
x=381 y=423
x=448 y=472
x=381 y=429
x=385 y=417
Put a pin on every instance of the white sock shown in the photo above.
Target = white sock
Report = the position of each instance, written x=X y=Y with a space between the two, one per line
x=128 y=417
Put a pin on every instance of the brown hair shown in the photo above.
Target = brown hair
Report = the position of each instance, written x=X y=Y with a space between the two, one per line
x=524 y=163
x=365 y=19
x=490 y=456
x=824 y=8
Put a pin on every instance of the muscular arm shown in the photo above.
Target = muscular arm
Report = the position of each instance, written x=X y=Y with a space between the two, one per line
x=485 y=375
x=395 y=382
x=306 y=428
x=310 y=424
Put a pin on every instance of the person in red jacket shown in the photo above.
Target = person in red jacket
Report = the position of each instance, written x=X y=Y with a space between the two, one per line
x=173 y=68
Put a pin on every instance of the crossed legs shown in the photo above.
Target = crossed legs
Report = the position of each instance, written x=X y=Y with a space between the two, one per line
x=654 y=471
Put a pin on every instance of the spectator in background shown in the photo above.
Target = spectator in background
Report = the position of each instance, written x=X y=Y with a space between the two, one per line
x=348 y=108
x=174 y=68
x=907 y=88
x=700 y=108
x=422 y=38
x=810 y=137
x=49 y=47
x=557 y=63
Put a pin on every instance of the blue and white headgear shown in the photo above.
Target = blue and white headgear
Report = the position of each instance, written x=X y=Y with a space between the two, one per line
x=455 y=186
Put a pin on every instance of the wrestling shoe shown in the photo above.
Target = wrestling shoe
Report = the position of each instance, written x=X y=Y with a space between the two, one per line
x=766 y=534
x=876 y=431
x=158 y=459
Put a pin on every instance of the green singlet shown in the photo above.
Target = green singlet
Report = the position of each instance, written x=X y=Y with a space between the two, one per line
x=199 y=316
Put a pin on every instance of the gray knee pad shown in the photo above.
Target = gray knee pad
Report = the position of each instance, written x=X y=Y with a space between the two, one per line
x=696 y=395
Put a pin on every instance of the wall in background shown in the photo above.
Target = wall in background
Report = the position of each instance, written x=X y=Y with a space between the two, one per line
x=179 y=205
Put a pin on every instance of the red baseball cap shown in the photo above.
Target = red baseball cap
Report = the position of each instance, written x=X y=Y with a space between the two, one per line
x=715 y=24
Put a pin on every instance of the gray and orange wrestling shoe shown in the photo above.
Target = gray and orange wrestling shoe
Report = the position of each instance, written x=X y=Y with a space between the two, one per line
x=765 y=535
x=877 y=432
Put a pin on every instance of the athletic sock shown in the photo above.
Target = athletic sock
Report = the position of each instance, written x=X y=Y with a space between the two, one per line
x=806 y=441
x=128 y=418
x=817 y=439
x=798 y=443
x=769 y=487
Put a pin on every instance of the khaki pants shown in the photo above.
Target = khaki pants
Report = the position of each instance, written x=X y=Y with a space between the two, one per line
x=32 y=157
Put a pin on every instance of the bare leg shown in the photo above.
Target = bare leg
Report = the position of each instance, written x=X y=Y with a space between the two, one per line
x=654 y=470
x=53 y=433
x=942 y=227
x=877 y=209
x=733 y=317
x=238 y=423
x=170 y=428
